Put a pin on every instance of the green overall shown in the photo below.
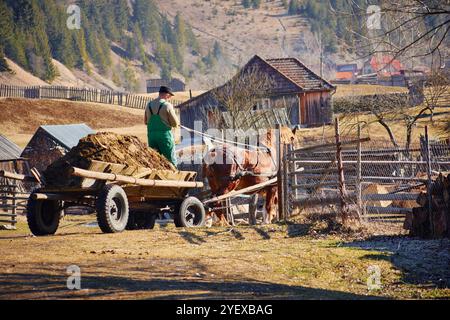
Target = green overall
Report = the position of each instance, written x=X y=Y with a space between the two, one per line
x=160 y=135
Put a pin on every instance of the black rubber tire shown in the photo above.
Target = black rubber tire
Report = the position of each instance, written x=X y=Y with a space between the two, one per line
x=43 y=216
x=112 y=209
x=184 y=219
x=140 y=220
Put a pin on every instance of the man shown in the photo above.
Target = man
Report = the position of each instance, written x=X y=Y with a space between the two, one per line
x=160 y=118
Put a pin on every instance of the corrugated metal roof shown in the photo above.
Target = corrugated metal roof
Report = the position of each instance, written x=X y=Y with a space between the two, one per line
x=68 y=135
x=8 y=149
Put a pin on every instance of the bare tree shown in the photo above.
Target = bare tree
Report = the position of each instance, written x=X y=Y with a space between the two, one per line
x=437 y=86
x=447 y=127
x=385 y=110
x=241 y=94
x=407 y=28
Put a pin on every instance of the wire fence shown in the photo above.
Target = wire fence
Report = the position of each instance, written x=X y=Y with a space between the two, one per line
x=370 y=178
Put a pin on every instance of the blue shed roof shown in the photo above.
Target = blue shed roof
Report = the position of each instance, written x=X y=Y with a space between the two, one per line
x=8 y=149
x=68 y=135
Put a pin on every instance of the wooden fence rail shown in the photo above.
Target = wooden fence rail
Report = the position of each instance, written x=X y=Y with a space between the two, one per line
x=12 y=203
x=124 y=99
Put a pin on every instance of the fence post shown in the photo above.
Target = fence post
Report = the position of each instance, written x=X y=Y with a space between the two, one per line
x=342 y=191
x=429 y=183
x=281 y=213
x=14 y=203
x=358 y=175
x=287 y=208
x=253 y=206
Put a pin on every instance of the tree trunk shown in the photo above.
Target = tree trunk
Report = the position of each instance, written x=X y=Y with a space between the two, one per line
x=389 y=131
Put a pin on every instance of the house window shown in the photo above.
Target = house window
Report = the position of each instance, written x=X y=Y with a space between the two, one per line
x=263 y=104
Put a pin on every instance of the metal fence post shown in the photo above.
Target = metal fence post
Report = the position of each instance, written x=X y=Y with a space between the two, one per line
x=429 y=183
x=281 y=213
x=286 y=207
x=342 y=191
x=358 y=175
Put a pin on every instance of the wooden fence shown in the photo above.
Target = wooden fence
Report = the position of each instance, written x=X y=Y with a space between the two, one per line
x=78 y=94
x=377 y=182
x=13 y=202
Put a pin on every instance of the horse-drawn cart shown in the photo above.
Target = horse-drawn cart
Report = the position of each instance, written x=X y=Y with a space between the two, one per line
x=123 y=197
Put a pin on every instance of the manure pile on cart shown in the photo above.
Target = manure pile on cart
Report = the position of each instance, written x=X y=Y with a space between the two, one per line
x=107 y=147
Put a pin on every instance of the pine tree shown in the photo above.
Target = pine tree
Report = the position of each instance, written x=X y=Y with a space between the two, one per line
x=246 y=3
x=15 y=49
x=79 y=44
x=6 y=33
x=217 y=50
x=293 y=7
x=141 y=54
x=256 y=4
x=130 y=47
x=192 y=40
x=130 y=79
x=146 y=15
x=180 y=31
x=121 y=15
x=166 y=72
x=210 y=60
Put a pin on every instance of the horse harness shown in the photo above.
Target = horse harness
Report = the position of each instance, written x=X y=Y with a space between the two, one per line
x=242 y=172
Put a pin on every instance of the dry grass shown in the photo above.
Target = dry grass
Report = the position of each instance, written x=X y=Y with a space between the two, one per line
x=179 y=96
x=376 y=131
x=276 y=261
x=20 y=118
x=345 y=90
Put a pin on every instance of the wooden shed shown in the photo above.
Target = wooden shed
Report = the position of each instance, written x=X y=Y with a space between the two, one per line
x=51 y=142
x=10 y=156
x=305 y=96
x=13 y=193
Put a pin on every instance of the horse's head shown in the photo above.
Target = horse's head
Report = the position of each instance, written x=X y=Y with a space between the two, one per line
x=221 y=169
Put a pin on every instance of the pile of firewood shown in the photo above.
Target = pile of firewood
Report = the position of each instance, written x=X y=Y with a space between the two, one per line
x=437 y=225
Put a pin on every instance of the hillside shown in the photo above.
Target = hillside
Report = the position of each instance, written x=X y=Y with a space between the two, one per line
x=123 y=43
x=20 y=118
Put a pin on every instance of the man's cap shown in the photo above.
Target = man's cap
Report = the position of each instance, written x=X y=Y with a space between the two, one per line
x=164 y=89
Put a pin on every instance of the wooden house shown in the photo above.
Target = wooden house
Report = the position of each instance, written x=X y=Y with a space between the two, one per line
x=305 y=96
x=51 y=142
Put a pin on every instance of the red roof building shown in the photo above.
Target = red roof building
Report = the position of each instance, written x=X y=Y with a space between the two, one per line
x=383 y=66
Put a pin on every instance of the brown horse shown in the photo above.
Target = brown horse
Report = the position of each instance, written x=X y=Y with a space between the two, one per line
x=229 y=168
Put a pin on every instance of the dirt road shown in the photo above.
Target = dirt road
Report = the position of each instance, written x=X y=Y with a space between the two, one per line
x=273 y=262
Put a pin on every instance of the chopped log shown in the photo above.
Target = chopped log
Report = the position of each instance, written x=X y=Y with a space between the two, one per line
x=131 y=180
x=17 y=176
x=420 y=223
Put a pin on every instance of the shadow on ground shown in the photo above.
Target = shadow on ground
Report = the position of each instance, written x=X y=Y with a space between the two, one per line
x=97 y=287
x=422 y=262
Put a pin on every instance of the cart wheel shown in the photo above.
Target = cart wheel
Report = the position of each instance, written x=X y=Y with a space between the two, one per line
x=112 y=209
x=191 y=213
x=141 y=220
x=43 y=216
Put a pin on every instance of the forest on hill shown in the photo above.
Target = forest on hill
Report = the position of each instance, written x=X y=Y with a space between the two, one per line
x=34 y=32
x=194 y=39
